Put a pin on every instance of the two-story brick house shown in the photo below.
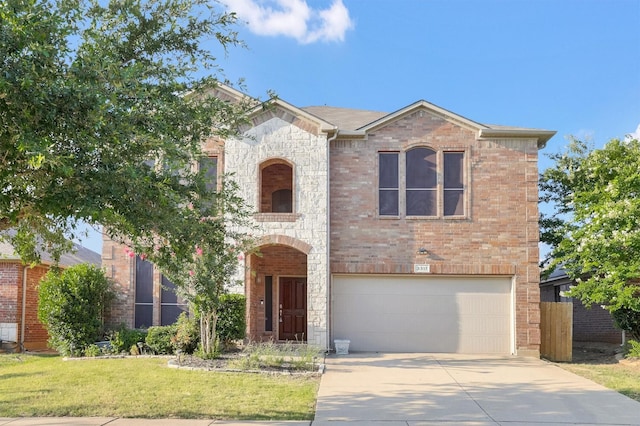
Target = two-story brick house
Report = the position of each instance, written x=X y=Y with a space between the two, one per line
x=410 y=231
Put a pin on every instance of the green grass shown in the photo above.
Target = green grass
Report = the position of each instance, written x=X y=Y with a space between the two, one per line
x=623 y=378
x=38 y=385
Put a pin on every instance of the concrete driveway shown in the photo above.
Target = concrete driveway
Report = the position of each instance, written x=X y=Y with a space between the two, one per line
x=430 y=389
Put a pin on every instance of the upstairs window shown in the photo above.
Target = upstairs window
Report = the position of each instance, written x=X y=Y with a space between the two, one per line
x=422 y=181
x=388 y=184
x=453 y=185
x=276 y=191
x=209 y=166
x=427 y=183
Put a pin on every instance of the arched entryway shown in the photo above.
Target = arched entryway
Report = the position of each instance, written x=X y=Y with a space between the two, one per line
x=277 y=294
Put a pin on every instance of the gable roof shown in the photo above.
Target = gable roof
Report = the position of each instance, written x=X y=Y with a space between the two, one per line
x=78 y=255
x=359 y=122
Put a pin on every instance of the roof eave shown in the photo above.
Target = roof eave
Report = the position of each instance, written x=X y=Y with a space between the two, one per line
x=324 y=126
x=542 y=136
x=351 y=134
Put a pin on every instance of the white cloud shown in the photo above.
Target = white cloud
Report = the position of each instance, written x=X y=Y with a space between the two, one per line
x=634 y=135
x=293 y=18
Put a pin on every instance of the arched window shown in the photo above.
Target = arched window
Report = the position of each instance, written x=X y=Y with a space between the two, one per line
x=422 y=182
x=276 y=192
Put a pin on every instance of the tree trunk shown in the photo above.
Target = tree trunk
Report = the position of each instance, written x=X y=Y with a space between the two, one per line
x=208 y=337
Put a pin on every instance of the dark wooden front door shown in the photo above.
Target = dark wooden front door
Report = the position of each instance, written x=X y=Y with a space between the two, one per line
x=293 y=309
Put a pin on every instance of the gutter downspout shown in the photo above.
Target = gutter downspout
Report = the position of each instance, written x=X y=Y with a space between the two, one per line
x=328 y=309
x=24 y=307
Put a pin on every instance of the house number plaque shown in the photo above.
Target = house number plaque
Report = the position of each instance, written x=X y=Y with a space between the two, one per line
x=421 y=268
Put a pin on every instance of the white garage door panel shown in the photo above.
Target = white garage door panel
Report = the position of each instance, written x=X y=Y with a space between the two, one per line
x=422 y=314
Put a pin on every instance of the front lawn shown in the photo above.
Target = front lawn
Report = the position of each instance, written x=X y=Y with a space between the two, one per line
x=623 y=377
x=599 y=362
x=46 y=385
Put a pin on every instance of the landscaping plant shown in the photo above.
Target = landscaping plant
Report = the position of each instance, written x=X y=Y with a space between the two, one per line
x=71 y=305
x=159 y=339
x=186 y=337
x=122 y=339
x=232 y=318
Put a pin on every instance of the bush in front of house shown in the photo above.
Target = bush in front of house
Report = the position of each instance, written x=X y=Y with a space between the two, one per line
x=231 y=318
x=122 y=339
x=159 y=339
x=187 y=335
x=71 y=305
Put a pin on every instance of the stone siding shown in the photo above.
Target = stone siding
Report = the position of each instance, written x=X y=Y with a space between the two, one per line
x=287 y=138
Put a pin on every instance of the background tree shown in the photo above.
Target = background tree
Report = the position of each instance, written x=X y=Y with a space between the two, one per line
x=102 y=115
x=71 y=306
x=594 y=230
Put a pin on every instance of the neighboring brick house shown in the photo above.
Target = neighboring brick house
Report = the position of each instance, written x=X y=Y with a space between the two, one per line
x=589 y=324
x=413 y=231
x=19 y=324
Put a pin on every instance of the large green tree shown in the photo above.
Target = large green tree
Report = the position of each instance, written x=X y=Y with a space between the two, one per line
x=102 y=119
x=102 y=114
x=594 y=226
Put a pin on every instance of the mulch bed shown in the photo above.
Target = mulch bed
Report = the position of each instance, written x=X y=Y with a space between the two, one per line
x=224 y=363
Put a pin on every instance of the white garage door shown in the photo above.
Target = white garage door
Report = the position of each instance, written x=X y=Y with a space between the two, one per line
x=422 y=314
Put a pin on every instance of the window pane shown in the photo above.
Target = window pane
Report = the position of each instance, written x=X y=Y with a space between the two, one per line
x=454 y=202
x=281 y=201
x=144 y=316
x=388 y=200
x=388 y=176
x=168 y=294
x=169 y=313
x=421 y=168
x=388 y=184
x=144 y=281
x=209 y=166
x=453 y=170
x=421 y=203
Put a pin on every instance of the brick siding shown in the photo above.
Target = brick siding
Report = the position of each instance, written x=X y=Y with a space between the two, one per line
x=499 y=235
x=11 y=282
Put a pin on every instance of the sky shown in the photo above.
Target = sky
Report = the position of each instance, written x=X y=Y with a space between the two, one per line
x=572 y=66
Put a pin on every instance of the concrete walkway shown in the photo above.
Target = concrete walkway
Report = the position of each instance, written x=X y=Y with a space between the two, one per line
x=433 y=389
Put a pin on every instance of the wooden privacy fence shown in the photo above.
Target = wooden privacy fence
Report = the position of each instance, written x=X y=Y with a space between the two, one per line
x=556 y=330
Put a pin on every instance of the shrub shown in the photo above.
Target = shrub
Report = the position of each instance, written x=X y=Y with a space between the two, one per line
x=123 y=338
x=92 y=351
x=231 y=318
x=71 y=305
x=632 y=349
x=159 y=339
x=187 y=334
x=628 y=320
